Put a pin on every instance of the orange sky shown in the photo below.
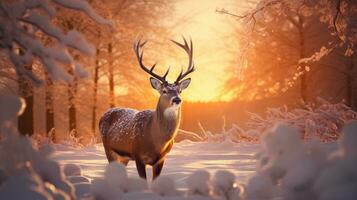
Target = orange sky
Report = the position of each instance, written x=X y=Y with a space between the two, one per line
x=210 y=32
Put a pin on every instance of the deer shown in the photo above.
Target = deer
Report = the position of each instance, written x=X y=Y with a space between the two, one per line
x=147 y=136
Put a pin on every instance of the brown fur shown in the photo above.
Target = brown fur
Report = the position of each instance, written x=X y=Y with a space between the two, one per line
x=145 y=136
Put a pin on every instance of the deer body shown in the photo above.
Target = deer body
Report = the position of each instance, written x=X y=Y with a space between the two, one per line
x=146 y=136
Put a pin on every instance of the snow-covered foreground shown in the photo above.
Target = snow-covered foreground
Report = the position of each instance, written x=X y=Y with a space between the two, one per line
x=282 y=167
x=184 y=159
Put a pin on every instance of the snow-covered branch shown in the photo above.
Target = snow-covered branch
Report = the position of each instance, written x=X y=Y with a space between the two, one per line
x=21 y=24
x=324 y=121
x=251 y=15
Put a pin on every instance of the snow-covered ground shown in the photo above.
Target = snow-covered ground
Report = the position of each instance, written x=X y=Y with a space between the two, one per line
x=282 y=166
x=185 y=158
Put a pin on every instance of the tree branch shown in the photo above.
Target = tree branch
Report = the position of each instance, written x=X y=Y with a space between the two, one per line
x=250 y=15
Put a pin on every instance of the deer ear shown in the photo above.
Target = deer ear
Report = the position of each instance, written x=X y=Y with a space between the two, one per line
x=155 y=83
x=185 y=83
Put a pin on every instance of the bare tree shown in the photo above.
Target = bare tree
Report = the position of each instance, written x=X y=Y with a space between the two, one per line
x=49 y=105
x=25 y=122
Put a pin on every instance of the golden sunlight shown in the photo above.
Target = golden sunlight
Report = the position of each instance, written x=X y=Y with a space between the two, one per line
x=208 y=30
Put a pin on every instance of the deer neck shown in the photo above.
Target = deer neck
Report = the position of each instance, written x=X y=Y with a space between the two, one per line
x=167 y=120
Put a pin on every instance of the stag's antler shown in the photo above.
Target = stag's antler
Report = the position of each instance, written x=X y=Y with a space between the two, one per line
x=189 y=51
x=137 y=46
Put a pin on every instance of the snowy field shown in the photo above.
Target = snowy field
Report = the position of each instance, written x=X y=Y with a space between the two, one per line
x=281 y=167
x=185 y=158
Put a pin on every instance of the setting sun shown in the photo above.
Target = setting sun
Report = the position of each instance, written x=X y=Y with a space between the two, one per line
x=210 y=33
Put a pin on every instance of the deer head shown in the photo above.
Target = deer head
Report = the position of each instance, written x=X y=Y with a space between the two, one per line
x=169 y=92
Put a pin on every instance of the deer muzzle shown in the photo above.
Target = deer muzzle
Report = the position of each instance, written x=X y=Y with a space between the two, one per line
x=176 y=100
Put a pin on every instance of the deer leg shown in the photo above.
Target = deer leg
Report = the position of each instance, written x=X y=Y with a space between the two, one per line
x=113 y=156
x=110 y=154
x=156 y=169
x=122 y=156
x=140 y=167
x=123 y=160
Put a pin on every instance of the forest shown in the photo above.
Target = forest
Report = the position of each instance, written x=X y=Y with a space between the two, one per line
x=266 y=98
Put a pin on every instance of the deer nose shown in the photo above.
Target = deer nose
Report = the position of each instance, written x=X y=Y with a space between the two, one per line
x=176 y=100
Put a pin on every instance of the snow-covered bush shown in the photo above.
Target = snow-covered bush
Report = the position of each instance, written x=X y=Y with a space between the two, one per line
x=305 y=170
x=234 y=134
x=27 y=173
x=288 y=161
x=31 y=164
x=324 y=121
x=338 y=180
x=41 y=139
x=290 y=168
x=188 y=135
x=26 y=184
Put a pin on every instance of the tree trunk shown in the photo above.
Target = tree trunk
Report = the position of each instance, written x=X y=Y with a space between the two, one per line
x=302 y=54
x=26 y=121
x=95 y=90
x=349 y=82
x=72 y=91
x=111 y=77
x=50 y=116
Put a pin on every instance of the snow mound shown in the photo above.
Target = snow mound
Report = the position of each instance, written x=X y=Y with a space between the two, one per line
x=260 y=187
x=164 y=186
x=115 y=183
x=101 y=189
x=199 y=182
x=116 y=176
x=224 y=184
x=137 y=184
x=142 y=195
